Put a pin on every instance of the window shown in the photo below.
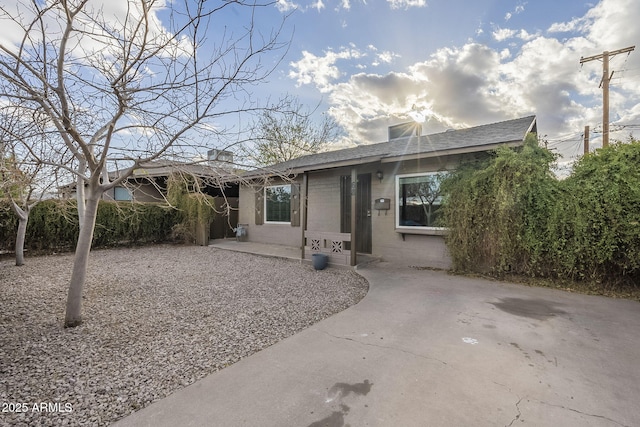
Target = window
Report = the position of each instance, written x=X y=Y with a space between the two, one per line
x=121 y=193
x=277 y=200
x=418 y=199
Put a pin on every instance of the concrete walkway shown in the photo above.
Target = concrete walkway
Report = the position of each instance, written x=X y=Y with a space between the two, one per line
x=424 y=348
x=263 y=249
x=279 y=251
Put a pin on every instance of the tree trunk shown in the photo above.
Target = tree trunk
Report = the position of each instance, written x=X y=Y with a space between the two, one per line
x=23 y=218
x=73 y=315
x=80 y=193
x=22 y=231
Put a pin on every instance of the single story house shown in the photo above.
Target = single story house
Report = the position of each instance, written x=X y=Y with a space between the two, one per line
x=379 y=199
x=149 y=182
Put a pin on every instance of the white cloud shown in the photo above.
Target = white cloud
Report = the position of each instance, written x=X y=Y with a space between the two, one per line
x=524 y=35
x=318 y=5
x=285 y=5
x=565 y=27
x=475 y=83
x=119 y=16
x=346 y=4
x=321 y=70
x=518 y=9
x=406 y=4
x=502 y=34
x=385 y=57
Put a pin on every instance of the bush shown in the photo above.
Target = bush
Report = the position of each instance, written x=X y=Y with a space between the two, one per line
x=509 y=214
x=195 y=210
x=8 y=226
x=53 y=225
x=493 y=210
x=596 y=230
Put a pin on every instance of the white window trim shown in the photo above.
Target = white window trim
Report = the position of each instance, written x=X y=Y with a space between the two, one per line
x=405 y=229
x=264 y=196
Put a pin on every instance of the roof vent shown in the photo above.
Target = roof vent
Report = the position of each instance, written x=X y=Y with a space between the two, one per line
x=220 y=156
x=404 y=130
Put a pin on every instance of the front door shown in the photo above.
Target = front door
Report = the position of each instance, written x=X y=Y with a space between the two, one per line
x=363 y=210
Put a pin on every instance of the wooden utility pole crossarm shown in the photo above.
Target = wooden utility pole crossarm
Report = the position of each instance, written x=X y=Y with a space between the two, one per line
x=606 y=78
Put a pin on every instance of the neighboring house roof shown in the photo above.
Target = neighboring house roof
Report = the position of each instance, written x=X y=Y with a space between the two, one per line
x=478 y=138
x=164 y=168
x=158 y=168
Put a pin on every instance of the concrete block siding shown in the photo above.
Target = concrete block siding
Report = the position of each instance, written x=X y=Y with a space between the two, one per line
x=279 y=234
x=324 y=213
x=414 y=154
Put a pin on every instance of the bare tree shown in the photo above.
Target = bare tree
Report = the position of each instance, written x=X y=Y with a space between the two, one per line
x=26 y=171
x=287 y=132
x=122 y=88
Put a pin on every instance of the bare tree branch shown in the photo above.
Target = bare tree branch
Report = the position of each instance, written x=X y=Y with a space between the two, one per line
x=127 y=89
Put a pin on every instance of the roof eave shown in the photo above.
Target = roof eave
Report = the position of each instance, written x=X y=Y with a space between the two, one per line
x=340 y=164
x=313 y=168
x=450 y=152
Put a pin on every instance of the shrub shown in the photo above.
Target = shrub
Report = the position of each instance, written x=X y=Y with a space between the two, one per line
x=508 y=214
x=493 y=209
x=596 y=230
x=195 y=210
x=53 y=225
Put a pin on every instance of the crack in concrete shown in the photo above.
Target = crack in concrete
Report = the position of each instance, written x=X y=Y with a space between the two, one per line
x=552 y=405
x=519 y=414
x=566 y=408
x=422 y=356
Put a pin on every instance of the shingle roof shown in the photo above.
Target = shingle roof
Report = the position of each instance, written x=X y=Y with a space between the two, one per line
x=476 y=138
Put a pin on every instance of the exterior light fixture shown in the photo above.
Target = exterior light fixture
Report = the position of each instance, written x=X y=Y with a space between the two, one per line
x=380 y=175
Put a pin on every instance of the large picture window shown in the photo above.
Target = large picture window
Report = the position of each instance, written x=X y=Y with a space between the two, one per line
x=418 y=200
x=277 y=200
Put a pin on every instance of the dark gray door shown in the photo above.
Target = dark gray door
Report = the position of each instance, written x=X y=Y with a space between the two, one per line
x=363 y=210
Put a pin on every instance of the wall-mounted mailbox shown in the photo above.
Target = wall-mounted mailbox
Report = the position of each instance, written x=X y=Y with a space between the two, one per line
x=382 y=204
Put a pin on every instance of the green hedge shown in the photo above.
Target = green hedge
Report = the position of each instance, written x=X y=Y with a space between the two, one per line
x=53 y=225
x=510 y=215
x=595 y=232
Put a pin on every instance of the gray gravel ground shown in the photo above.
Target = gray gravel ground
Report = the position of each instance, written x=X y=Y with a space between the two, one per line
x=155 y=320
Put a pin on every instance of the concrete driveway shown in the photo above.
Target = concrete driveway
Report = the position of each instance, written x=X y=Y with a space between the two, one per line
x=424 y=348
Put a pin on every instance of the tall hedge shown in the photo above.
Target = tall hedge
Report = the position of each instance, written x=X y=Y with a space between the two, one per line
x=494 y=209
x=509 y=214
x=596 y=230
x=53 y=225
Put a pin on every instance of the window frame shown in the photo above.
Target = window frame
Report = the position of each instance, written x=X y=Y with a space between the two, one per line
x=122 y=188
x=415 y=229
x=266 y=198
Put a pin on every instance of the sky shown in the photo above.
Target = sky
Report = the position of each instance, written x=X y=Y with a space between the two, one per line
x=370 y=64
x=462 y=63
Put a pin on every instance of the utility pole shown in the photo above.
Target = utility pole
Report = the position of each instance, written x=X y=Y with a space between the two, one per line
x=606 y=78
x=586 y=139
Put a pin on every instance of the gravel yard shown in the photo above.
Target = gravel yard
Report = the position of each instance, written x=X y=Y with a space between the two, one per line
x=155 y=320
